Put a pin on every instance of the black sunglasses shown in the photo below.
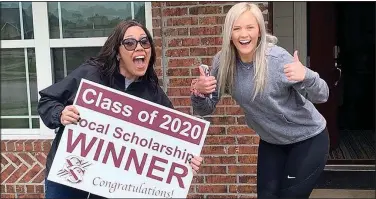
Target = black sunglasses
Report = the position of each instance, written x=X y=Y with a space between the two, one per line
x=131 y=44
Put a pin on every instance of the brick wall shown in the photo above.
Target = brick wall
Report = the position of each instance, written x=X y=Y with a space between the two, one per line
x=186 y=34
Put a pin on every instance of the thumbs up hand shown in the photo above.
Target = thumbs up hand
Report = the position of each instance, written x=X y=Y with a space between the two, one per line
x=295 y=71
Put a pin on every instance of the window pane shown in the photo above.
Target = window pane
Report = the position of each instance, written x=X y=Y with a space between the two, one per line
x=19 y=123
x=13 y=83
x=73 y=57
x=33 y=81
x=35 y=123
x=11 y=23
x=90 y=19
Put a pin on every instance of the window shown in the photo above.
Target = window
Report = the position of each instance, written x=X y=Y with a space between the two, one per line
x=42 y=42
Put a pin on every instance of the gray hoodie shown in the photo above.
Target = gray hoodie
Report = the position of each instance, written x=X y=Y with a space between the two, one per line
x=284 y=113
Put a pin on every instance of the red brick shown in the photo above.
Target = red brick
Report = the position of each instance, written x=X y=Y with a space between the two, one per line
x=31 y=174
x=3 y=146
x=216 y=130
x=249 y=169
x=222 y=120
x=226 y=196
x=7 y=195
x=181 y=3
x=212 y=170
x=19 y=146
x=30 y=189
x=26 y=158
x=181 y=91
x=234 y=110
x=179 y=11
x=13 y=158
x=155 y=4
x=3 y=189
x=220 y=140
x=215 y=2
x=157 y=32
x=211 y=188
x=195 y=196
x=37 y=145
x=192 y=189
x=41 y=157
x=242 y=188
x=247 y=179
x=182 y=21
x=240 y=130
x=211 y=41
x=240 y=120
x=17 y=174
x=212 y=20
x=198 y=179
x=159 y=72
x=178 y=72
x=157 y=42
x=188 y=62
x=250 y=196
x=30 y=195
x=219 y=179
x=246 y=139
x=29 y=145
x=158 y=51
x=11 y=146
x=214 y=30
x=20 y=189
x=7 y=172
x=177 y=52
x=39 y=189
x=213 y=150
x=39 y=178
x=204 y=10
x=4 y=161
x=242 y=150
x=219 y=160
x=184 y=42
x=251 y=159
x=180 y=81
x=175 y=32
x=10 y=188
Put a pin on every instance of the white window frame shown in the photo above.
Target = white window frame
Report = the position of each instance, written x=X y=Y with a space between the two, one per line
x=43 y=60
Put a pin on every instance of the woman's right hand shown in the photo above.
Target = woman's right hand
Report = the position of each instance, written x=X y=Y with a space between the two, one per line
x=69 y=115
x=205 y=84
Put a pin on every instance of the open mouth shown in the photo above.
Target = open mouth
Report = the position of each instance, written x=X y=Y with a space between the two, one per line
x=139 y=61
x=245 y=42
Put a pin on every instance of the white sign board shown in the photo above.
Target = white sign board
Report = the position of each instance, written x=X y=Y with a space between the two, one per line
x=127 y=147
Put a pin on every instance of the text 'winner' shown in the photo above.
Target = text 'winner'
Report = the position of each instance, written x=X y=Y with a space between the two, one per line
x=127 y=147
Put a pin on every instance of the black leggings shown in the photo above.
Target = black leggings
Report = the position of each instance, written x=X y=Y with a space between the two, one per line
x=291 y=171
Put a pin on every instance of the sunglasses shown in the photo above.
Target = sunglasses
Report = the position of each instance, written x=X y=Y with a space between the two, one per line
x=131 y=44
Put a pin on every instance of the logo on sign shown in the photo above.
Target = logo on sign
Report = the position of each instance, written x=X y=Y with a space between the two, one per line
x=74 y=169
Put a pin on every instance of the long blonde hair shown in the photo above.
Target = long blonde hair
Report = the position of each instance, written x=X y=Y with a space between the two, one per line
x=228 y=53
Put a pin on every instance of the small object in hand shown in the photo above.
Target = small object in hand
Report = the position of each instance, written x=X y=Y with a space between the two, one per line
x=206 y=70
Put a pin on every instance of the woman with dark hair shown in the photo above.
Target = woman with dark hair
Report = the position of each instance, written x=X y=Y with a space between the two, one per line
x=126 y=63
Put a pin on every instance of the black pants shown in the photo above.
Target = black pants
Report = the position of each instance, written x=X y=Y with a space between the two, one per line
x=291 y=171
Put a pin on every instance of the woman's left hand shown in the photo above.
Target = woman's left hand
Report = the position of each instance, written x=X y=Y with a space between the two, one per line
x=195 y=163
x=295 y=71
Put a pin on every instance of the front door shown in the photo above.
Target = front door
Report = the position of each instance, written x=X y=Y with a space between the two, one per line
x=322 y=58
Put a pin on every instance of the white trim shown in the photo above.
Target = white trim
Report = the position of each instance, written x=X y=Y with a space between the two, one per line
x=132 y=9
x=27 y=43
x=77 y=42
x=19 y=117
x=28 y=88
x=300 y=30
x=148 y=17
x=21 y=21
x=42 y=51
x=60 y=21
x=23 y=134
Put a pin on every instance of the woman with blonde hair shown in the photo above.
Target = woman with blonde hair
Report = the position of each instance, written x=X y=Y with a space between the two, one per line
x=277 y=94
